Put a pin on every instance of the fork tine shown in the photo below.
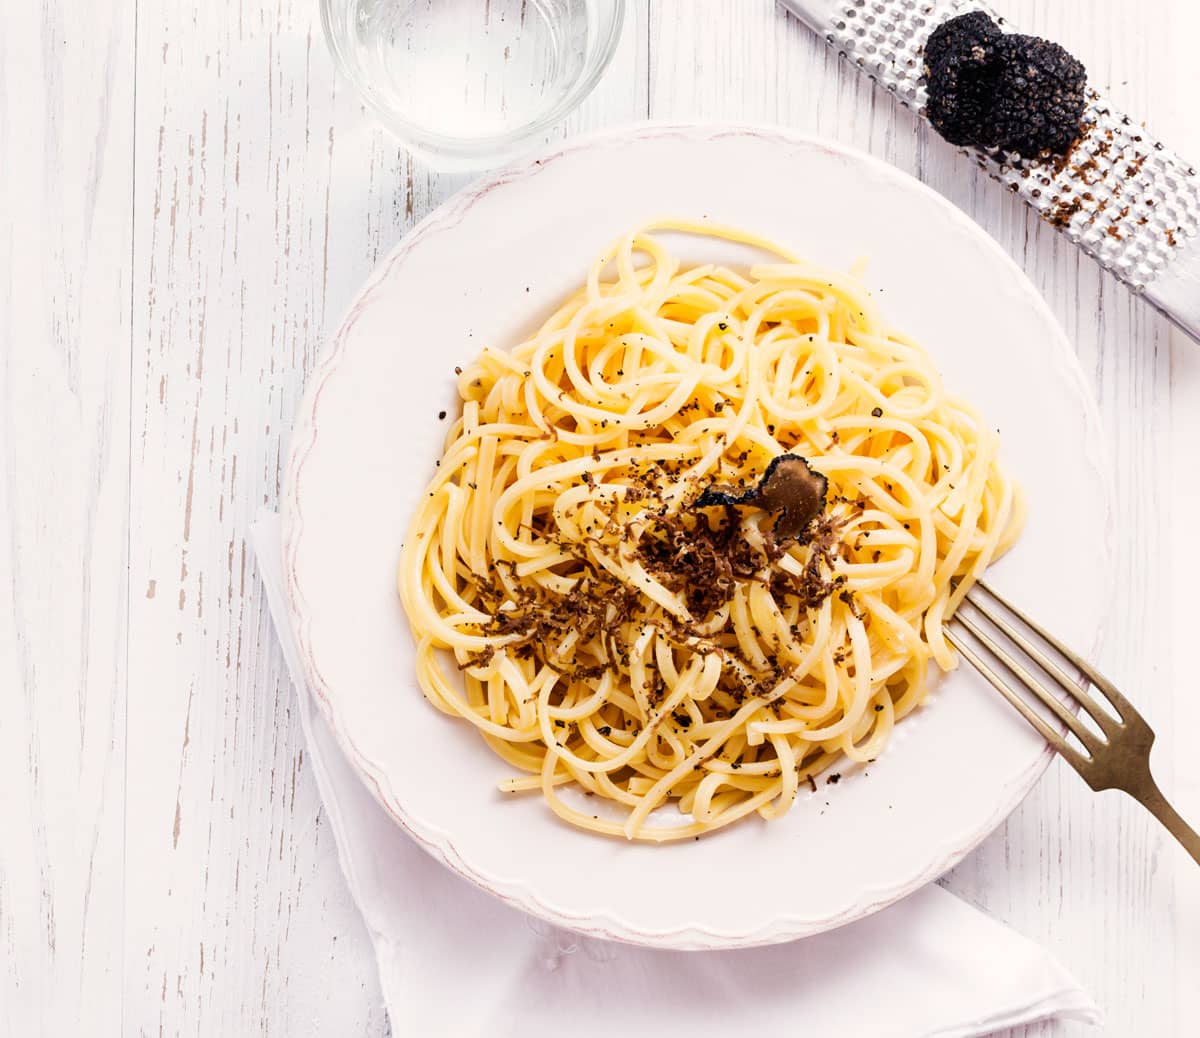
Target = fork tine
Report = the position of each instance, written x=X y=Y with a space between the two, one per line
x=1122 y=705
x=1068 y=752
x=1067 y=682
x=1044 y=695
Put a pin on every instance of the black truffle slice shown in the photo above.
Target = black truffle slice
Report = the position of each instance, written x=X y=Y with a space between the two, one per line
x=788 y=487
x=1016 y=93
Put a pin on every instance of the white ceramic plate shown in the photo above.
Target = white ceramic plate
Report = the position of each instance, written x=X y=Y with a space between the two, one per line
x=485 y=269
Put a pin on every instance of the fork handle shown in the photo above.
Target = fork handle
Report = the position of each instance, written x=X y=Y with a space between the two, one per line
x=1157 y=804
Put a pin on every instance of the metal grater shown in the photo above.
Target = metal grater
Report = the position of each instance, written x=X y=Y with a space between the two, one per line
x=1121 y=196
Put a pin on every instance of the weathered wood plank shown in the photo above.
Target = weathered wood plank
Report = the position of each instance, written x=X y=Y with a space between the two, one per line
x=66 y=137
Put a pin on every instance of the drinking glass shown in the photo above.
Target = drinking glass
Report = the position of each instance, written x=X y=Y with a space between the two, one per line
x=468 y=83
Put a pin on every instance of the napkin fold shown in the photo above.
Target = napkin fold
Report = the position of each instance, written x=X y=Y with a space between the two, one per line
x=455 y=962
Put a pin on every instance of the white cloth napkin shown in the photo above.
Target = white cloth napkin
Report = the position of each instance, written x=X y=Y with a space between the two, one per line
x=454 y=961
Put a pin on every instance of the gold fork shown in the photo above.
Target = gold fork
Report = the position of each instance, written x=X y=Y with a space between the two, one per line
x=1116 y=757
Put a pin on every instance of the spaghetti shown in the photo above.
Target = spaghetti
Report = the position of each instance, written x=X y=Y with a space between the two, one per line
x=606 y=620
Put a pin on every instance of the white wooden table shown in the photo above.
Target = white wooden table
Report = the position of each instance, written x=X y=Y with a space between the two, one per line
x=188 y=199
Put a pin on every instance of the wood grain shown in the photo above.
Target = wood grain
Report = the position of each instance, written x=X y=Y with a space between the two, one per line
x=193 y=200
x=66 y=128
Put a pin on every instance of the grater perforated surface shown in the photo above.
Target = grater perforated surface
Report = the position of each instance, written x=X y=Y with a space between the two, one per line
x=1120 y=195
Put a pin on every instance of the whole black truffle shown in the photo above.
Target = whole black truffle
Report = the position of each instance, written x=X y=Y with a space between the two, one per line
x=1016 y=93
